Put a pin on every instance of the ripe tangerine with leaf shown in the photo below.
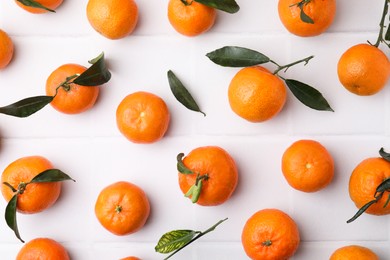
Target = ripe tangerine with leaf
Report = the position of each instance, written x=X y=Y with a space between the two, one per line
x=270 y=234
x=122 y=208
x=45 y=6
x=210 y=176
x=306 y=17
x=42 y=248
x=189 y=17
x=6 y=49
x=353 y=252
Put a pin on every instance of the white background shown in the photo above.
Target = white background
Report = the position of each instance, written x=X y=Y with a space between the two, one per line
x=90 y=148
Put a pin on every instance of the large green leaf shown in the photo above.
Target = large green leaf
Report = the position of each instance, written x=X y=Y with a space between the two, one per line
x=229 y=6
x=35 y=4
x=27 y=106
x=174 y=240
x=308 y=95
x=10 y=216
x=181 y=93
x=95 y=75
x=51 y=175
x=233 y=56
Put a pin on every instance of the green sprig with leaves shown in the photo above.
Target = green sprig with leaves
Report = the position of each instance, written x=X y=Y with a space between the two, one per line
x=229 y=6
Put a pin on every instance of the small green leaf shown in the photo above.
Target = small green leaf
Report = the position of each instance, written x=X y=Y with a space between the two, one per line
x=196 y=192
x=27 y=106
x=51 y=175
x=229 y=6
x=361 y=210
x=174 y=240
x=10 y=216
x=387 y=35
x=309 y=96
x=232 y=56
x=180 y=165
x=384 y=155
x=384 y=186
x=181 y=93
x=304 y=17
x=95 y=75
x=35 y=4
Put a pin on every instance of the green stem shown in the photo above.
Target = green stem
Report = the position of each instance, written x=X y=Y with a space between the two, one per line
x=66 y=84
x=286 y=67
x=382 y=26
x=200 y=234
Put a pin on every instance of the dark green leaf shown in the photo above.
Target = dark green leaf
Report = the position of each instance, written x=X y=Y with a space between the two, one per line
x=384 y=155
x=387 y=201
x=174 y=240
x=361 y=210
x=35 y=4
x=229 y=6
x=181 y=93
x=232 y=56
x=387 y=35
x=51 y=175
x=180 y=165
x=309 y=96
x=95 y=75
x=384 y=186
x=10 y=216
x=305 y=18
x=27 y=106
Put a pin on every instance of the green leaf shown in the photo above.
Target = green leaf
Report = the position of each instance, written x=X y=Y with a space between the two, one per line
x=51 y=175
x=229 y=6
x=387 y=35
x=232 y=56
x=174 y=240
x=309 y=96
x=196 y=192
x=35 y=4
x=181 y=93
x=180 y=165
x=95 y=75
x=304 y=17
x=10 y=216
x=384 y=155
x=361 y=210
x=27 y=106
x=384 y=186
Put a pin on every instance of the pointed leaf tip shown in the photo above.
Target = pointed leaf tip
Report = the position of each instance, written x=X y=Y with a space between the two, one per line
x=26 y=107
x=97 y=74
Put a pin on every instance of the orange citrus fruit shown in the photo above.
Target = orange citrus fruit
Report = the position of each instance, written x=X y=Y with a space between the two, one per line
x=221 y=170
x=122 y=208
x=307 y=166
x=6 y=49
x=114 y=19
x=321 y=13
x=130 y=258
x=36 y=196
x=142 y=117
x=70 y=98
x=363 y=69
x=270 y=234
x=256 y=95
x=51 y=4
x=363 y=182
x=353 y=252
x=42 y=249
x=189 y=17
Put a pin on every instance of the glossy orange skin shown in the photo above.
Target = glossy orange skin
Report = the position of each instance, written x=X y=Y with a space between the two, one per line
x=363 y=69
x=256 y=95
x=142 y=117
x=307 y=166
x=78 y=98
x=42 y=249
x=51 y=4
x=322 y=12
x=192 y=19
x=37 y=196
x=353 y=252
x=221 y=169
x=6 y=49
x=270 y=234
x=363 y=182
x=114 y=19
x=134 y=208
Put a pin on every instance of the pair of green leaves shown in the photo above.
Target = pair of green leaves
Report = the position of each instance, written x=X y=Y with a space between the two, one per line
x=176 y=240
x=379 y=192
x=232 y=56
x=229 y=6
x=32 y=3
x=51 y=175
x=96 y=74
x=304 y=17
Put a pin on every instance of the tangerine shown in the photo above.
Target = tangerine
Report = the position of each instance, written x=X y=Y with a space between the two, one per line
x=122 y=208
x=70 y=98
x=321 y=13
x=270 y=234
x=37 y=196
x=43 y=249
x=51 y=4
x=353 y=252
x=256 y=95
x=189 y=17
x=130 y=258
x=6 y=49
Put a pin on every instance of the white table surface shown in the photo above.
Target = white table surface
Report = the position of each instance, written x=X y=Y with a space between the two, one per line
x=90 y=148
